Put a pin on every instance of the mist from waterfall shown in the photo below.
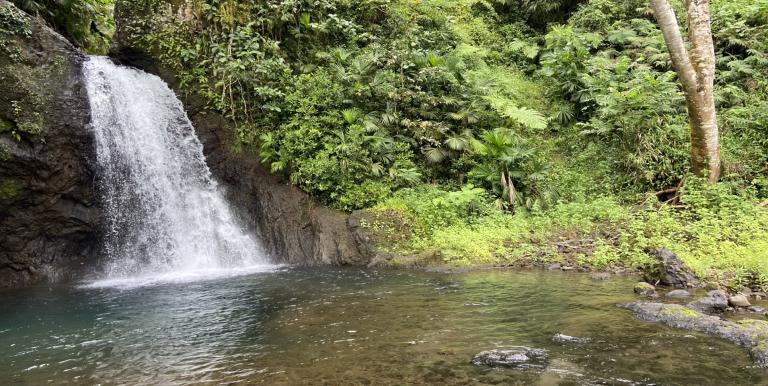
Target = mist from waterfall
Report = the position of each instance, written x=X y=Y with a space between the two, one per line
x=166 y=218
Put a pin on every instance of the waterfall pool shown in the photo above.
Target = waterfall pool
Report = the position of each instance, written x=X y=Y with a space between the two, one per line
x=335 y=326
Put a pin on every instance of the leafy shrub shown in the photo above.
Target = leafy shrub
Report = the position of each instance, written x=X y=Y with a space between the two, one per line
x=12 y=24
x=87 y=23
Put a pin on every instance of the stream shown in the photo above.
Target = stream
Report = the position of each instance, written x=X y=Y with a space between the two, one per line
x=334 y=326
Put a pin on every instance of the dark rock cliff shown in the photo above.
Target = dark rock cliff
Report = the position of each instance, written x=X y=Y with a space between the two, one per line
x=49 y=216
x=292 y=227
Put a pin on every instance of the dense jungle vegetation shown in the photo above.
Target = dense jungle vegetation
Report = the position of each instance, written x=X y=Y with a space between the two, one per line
x=498 y=132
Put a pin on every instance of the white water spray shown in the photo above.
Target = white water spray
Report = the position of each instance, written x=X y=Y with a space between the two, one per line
x=166 y=219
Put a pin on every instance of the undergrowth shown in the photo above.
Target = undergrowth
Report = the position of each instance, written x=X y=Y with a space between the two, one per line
x=718 y=231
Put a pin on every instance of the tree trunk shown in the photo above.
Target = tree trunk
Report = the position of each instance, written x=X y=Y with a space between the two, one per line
x=509 y=187
x=697 y=76
x=512 y=190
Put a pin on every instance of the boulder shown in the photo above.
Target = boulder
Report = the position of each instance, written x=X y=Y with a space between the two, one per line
x=739 y=300
x=516 y=357
x=756 y=309
x=671 y=271
x=645 y=289
x=601 y=276
x=715 y=301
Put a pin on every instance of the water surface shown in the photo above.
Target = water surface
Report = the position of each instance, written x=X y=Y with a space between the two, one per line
x=350 y=326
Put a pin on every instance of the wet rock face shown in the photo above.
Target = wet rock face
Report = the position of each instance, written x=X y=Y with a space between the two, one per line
x=292 y=227
x=750 y=334
x=49 y=215
x=517 y=357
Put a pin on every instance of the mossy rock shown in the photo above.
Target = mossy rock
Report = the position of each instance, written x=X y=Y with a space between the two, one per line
x=9 y=191
x=643 y=288
x=749 y=334
x=6 y=125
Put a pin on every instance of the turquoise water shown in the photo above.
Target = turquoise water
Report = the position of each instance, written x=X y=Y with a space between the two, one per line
x=350 y=326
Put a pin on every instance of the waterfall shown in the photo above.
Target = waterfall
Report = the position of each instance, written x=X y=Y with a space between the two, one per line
x=165 y=216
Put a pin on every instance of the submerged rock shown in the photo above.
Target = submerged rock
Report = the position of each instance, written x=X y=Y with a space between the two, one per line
x=517 y=357
x=643 y=288
x=554 y=267
x=677 y=294
x=750 y=334
x=739 y=300
x=601 y=276
x=715 y=301
x=562 y=338
x=756 y=309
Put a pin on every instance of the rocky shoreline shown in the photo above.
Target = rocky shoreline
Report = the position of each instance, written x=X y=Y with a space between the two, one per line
x=704 y=314
x=750 y=334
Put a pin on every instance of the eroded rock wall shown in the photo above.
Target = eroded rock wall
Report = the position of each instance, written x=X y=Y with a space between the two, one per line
x=49 y=215
x=292 y=227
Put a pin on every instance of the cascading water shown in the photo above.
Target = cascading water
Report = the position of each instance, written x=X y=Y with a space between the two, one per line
x=165 y=216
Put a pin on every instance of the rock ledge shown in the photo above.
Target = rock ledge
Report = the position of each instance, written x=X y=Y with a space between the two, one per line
x=750 y=334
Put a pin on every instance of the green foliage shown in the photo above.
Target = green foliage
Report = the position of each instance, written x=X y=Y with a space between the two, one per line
x=611 y=65
x=622 y=100
x=741 y=33
x=508 y=166
x=87 y=23
x=349 y=102
x=564 y=112
x=28 y=93
x=430 y=208
x=719 y=230
x=12 y=24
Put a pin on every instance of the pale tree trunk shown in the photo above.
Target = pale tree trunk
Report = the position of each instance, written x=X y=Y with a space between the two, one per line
x=697 y=75
x=509 y=186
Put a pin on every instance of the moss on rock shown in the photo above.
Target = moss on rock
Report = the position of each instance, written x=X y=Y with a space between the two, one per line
x=750 y=334
x=9 y=190
x=643 y=288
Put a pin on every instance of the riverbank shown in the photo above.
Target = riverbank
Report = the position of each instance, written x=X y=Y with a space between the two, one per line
x=716 y=232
